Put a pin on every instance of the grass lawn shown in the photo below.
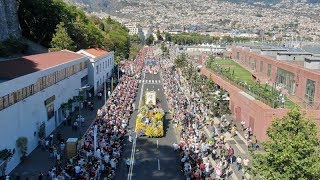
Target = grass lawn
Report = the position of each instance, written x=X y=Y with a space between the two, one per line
x=239 y=71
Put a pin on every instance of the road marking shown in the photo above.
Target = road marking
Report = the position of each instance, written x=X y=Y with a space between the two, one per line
x=157 y=144
x=228 y=136
x=242 y=138
x=132 y=158
x=158 y=164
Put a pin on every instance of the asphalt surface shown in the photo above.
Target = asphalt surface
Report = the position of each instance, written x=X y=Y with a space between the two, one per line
x=154 y=157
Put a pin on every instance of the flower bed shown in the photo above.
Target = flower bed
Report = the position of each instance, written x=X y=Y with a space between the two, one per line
x=150 y=121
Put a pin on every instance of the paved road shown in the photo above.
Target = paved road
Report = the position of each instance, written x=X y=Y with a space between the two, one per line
x=155 y=158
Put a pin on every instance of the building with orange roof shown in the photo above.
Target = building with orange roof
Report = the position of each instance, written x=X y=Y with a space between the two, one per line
x=100 y=67
x=33 y=90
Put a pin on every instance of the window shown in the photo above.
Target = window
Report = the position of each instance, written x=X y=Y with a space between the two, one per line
x=1 y=103
x=11 y=99
x=310 y=91
x=269 y=70
x=100 y=67
x=97 y=69
x=261 y=66
x=238 y=55
x=50 y=111
x=5 y=101
x=24 y=93
x=97 y=84
x=19 y=95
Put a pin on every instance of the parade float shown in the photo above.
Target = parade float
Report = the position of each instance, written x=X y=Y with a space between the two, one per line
x=149 y=121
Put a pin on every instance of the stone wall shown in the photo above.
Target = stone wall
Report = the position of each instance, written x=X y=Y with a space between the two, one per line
x=9 y=23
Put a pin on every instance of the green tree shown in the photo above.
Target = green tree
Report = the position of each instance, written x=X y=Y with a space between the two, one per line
x=292 y=151
x=135 y=39
x=149 y=40
x=61 y=40
x=167 y=36
x=159 y=37
x=134 y=50
x=181 y=61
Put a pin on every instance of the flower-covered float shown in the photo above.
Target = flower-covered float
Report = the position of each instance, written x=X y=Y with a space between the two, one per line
x=149 y=121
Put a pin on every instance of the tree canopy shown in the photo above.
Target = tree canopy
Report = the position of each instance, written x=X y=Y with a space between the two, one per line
x=181 y=61
x=61 y=40
x=292 y=151
x=149 y=40
x=159 y=36
x=196 y=38
x=39 y=18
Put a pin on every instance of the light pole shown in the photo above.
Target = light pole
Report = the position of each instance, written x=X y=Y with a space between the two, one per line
x=79 y=117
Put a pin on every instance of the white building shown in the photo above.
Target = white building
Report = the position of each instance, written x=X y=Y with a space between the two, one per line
x=32 y=90
x=101 y=67
x=293 y=56
x=312 y=63
x=134 y=28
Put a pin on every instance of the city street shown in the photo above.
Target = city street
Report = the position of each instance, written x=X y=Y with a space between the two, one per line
x=154 y=157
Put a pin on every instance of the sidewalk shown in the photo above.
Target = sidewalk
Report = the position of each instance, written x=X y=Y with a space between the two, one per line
x=39 y=161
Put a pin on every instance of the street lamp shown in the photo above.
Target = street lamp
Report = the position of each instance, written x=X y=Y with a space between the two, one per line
x=80 y=90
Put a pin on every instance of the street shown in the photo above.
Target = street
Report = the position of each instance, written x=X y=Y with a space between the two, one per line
x=154 y=157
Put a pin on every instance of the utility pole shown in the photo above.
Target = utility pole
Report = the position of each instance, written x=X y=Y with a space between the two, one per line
x=80 y=121
x=118 y=74
x=105 y=91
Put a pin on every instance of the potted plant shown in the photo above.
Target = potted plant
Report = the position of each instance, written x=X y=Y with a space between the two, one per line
x=5 y=155
x=42 y=130
x=22 y=143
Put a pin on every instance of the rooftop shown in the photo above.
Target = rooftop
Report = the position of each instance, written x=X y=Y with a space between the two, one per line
x=93 y=52
x=294 y=53
x=312 y=59
x=10 y=69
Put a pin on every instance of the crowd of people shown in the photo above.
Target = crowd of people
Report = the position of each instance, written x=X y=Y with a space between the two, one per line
x=100 y=159
x=134 y=67
x=195 y=147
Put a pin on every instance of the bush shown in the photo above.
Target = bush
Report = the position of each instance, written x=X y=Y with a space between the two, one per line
x=22 y=143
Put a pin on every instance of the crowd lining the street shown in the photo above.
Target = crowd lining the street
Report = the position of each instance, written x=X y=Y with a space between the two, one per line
x=195 y=147
x=111 y=129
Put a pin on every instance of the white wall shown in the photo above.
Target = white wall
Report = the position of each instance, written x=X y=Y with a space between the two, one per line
x=292 y=57
x=312 y=65
x=107 y=70
x=22 y=118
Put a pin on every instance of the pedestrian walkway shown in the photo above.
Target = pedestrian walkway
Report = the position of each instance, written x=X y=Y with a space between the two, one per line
x=38 y=160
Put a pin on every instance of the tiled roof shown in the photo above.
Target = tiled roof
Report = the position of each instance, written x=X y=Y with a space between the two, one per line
x=14 y=68
x=96 y=52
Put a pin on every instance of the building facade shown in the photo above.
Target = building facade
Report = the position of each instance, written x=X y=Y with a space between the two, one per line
x=100 y=67
x=291 y=75
x=32 y=90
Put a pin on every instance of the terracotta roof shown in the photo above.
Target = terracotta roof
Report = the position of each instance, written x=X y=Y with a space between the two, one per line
x=96 y=52
x=14 y=68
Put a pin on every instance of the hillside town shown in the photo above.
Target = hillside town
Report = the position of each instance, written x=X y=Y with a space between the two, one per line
x=160 y=96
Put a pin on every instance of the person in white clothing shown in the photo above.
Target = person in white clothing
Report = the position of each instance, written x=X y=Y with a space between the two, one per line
x=239 y=160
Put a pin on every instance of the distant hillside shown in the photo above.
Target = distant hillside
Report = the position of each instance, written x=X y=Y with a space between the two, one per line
x=114 y=5
x=98 y=5
x=273 y=1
